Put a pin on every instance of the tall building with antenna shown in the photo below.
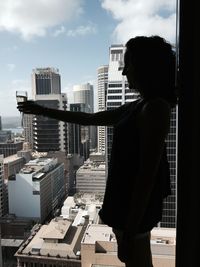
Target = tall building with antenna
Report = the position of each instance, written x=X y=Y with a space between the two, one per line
x=48 y=134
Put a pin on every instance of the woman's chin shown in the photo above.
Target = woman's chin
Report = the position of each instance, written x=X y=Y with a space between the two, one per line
x=130 y=86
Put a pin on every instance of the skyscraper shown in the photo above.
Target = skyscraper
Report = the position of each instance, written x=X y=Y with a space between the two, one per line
x=48 y=134
x=102 y=85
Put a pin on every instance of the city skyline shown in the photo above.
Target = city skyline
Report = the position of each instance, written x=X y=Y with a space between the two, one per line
x=73 y=36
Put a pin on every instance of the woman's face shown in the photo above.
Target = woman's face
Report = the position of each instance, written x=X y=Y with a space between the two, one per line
x=129 y=71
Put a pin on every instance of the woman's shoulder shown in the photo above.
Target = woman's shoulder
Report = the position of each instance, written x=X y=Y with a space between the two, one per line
x=155 y=114
x=156 y=104
x=155 y=109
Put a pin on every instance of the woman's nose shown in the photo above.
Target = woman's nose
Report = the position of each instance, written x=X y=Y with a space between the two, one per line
x=124 y=71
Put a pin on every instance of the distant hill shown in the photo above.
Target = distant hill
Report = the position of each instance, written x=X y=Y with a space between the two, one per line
x=11 y=122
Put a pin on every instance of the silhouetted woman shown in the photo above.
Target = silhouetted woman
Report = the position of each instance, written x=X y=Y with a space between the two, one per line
x=138 y=174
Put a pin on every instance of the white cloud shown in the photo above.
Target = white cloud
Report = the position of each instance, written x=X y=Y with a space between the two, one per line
x=11 y=66
x=82 y=30
x=142 y=17
x=59 y=31
x=33 y=18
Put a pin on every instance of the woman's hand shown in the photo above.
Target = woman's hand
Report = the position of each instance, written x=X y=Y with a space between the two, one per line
x=30 y=107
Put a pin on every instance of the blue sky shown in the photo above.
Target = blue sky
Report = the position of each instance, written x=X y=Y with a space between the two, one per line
x=71 y=35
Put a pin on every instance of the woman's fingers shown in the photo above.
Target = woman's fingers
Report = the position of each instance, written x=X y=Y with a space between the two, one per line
x=29 y=107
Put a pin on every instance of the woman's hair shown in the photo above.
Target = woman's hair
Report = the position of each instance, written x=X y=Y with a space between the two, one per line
x=154 y=64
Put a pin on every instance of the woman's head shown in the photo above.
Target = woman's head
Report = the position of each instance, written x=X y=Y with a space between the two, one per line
x=150 y=67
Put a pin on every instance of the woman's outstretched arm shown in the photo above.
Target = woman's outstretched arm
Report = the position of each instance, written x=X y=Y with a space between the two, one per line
x=102 y=118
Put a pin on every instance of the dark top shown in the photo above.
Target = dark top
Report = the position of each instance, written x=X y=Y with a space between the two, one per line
x=123 y=168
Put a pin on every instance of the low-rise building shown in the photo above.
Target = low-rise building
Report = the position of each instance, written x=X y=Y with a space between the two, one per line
x=56 y=244
x=91 y=177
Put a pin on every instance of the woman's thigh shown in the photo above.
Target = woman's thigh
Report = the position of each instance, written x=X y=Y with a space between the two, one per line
x=137 y=251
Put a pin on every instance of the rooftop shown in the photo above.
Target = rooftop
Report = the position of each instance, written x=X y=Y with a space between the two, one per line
x=58 y=238
x=56 y=229
x=98 y=232
x=101 y=232
x=39 y=165
x=92 y=166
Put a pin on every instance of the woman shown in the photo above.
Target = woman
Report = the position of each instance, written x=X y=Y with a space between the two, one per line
x=138 y=175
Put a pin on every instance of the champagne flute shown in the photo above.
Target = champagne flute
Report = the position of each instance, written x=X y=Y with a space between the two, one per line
x=21 y=96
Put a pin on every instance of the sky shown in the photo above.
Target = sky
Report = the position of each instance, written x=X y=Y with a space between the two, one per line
x=73 y=36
